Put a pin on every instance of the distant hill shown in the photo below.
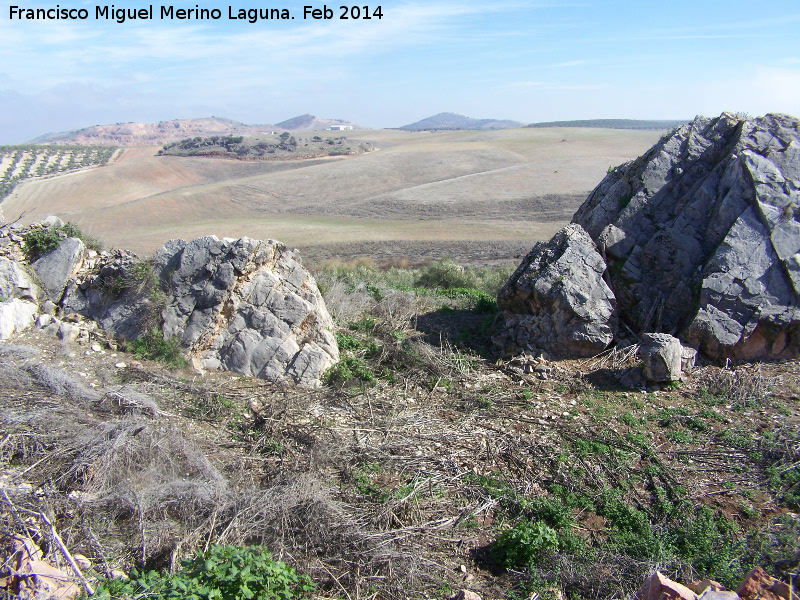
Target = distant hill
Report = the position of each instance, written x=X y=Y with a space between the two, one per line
x=164 y=132
x=148 y=134
x=312 y=123
x=613 y=124
x=454 y=121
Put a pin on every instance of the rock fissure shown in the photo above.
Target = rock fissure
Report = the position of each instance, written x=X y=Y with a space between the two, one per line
x=699 y=237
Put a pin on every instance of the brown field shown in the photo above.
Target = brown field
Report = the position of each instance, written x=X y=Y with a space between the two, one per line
x=420 y=192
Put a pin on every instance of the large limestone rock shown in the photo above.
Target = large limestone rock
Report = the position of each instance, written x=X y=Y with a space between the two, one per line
x=702 y=236
x=247 y=306
x=16 y=283
x=557 y=299
x=16 y=315
x=57 y=267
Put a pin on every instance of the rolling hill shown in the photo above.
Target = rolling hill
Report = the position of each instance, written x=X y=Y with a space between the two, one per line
x=162 y=132
x=457 y=187
x=614 y=124
x=453 y=121
x=312 y=123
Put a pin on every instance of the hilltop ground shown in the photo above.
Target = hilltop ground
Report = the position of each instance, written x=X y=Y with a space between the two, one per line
x=423 y=466
x=509 y=187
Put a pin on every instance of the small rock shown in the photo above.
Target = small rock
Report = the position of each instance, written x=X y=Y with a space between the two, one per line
x=698 y=587
x=465 y=595
x=67 y=332
x=120 y=365
x=658 y=587
x=117 y=574
x=82 y=561
x=96 y=347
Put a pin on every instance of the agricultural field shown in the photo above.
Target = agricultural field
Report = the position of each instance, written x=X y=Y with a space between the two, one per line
x=419 y=195
x=18 y=163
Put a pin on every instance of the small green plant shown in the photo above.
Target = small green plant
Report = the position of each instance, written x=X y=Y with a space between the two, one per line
x=348 y=342
x=348 y=369
x=223 y=572
x=524 y=544
x=41 y=241
x=679 y=436
x=153 y=346
x=365 y=324
x=72 y=230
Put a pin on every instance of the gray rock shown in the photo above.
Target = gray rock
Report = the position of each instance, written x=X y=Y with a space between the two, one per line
x=15 y=316
x=557 y=299
x=112 y=300
x=16 y=283
x=52 y=221
x=662 y=357
x=702 y=236
x=247 y=306
x=55 y=268
x=68 y=332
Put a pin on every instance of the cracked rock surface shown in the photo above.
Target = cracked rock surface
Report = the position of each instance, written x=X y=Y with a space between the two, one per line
x=701 y=236
x=247 y=306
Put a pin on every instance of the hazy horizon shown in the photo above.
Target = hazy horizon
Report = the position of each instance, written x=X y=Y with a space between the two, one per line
x=523 y=61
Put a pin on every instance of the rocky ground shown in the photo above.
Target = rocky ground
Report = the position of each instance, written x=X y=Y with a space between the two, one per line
x=405 y=477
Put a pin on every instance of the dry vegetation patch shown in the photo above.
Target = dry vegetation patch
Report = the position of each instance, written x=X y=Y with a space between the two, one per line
x=429 y=466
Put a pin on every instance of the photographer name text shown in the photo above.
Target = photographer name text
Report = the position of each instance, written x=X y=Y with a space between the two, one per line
x=172 y=13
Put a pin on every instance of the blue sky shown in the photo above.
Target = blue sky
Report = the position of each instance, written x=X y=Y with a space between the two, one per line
x=528 y=61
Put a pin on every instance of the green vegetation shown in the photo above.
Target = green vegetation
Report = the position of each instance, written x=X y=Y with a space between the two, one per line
x=41 y=241
x=47 y=239
x=264 y=147
x=27 y=161
x=221 y=573
x=349 y=369
x=153 y=346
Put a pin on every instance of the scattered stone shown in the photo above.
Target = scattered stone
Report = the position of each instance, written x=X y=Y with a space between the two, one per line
x=759 y=584
x=698 y=587
x=67 y=332
x=52 y=221
x=43 y=321
x=96 y=348
x=557 y=299
x=120 y=365
x=662 y=356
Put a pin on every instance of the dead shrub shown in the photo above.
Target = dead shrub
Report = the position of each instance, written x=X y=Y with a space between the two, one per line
x=345 y=305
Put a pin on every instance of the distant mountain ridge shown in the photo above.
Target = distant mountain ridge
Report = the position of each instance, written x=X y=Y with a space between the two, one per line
x=162 y=132
x=311 y=123
x=447 y=120
x=614 y=124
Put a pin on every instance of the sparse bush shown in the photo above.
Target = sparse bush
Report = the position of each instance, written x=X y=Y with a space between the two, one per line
x=153 y=346
x=41 y=241
x=72 y=230
x=348 y=369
